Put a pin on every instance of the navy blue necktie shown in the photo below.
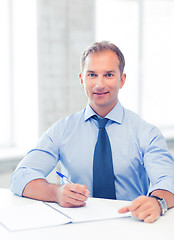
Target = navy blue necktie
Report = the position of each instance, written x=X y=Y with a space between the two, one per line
x=103 y=175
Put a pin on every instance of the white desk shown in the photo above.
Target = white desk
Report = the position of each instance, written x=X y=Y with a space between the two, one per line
x=119 y=229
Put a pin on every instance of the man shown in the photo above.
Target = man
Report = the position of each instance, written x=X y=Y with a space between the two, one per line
x=141 y=165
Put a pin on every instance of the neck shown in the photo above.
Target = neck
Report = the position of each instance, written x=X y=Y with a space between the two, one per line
x=102 y=111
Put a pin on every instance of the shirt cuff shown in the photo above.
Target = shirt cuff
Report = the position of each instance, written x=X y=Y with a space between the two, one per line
x=21 y=177
x=166 y=184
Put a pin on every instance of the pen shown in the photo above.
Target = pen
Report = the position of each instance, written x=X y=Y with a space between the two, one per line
x=64 y=177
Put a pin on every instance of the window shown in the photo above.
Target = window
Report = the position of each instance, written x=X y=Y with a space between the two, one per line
x=143 y=30
x=18 y=74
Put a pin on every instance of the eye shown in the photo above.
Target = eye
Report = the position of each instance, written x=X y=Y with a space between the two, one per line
x=92 y=75
x=109 y=75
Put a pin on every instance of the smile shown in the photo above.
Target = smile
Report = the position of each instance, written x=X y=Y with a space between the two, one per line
x=100 y=93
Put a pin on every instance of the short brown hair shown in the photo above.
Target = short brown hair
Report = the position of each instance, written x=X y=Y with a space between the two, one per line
x=100 y=47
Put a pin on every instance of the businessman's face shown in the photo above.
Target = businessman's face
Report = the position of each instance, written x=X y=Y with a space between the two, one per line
x=101 y=81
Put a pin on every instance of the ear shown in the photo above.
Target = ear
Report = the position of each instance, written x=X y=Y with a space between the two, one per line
x=81 y=79
x=122 y=80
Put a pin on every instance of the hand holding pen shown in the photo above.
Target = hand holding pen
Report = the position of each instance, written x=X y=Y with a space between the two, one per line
x=71 y=194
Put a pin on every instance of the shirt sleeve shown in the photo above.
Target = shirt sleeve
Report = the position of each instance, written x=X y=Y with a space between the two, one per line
x=38 y=163
x=158 y=162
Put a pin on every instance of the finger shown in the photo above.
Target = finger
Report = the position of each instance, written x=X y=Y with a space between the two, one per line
x=74 y=203
x=142 y=215
x=69 y=205
x=124 y=210
x=141 y=212
x=150 y=219
x=79 y=189
x=137 y=203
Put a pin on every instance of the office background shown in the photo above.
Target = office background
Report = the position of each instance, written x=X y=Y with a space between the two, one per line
x=41 y=42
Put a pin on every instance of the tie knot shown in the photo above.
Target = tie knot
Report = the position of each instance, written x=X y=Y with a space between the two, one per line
x=101 y=121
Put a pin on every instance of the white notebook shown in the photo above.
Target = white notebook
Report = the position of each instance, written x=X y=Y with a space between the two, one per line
x=40 y=214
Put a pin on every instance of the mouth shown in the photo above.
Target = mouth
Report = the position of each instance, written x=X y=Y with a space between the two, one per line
x=100 y=93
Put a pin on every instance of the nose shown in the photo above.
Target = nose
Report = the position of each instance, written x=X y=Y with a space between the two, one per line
x=100 y=82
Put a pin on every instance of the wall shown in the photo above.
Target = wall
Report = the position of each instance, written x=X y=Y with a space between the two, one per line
x=65 y=29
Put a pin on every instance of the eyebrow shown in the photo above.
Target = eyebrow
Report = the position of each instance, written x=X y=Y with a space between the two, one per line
x=90 y=71
x=110 y=71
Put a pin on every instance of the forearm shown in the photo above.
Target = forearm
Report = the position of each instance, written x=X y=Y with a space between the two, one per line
x=40 y=189
x=168 y=196
x=68 y=195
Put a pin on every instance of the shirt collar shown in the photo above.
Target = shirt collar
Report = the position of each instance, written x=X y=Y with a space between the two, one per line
x=116 y=114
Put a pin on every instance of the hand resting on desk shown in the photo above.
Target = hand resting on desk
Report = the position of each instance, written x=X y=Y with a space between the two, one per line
x=144 y=208
x=147 y=208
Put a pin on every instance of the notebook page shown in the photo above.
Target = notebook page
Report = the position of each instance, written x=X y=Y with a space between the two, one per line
x=95 y=209
x=35 y=215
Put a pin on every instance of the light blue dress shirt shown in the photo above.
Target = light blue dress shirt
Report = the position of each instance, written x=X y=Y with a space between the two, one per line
x=141 y=160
